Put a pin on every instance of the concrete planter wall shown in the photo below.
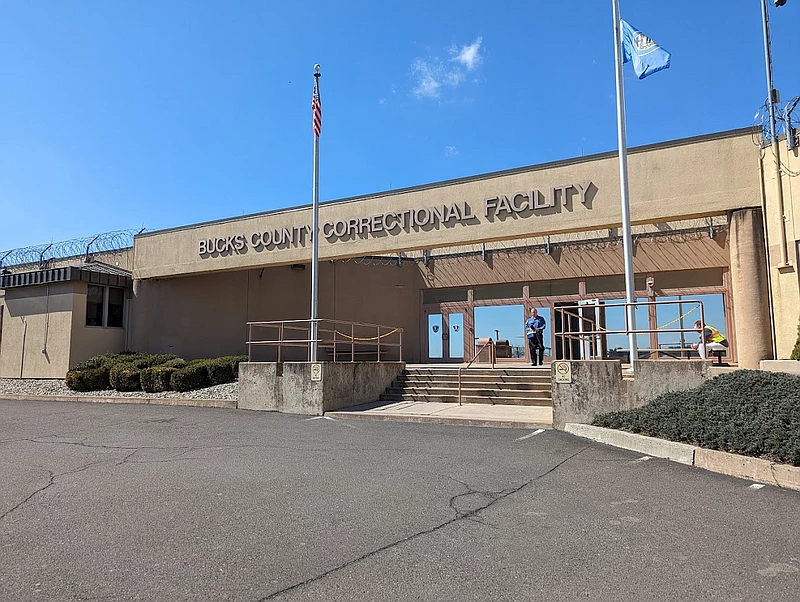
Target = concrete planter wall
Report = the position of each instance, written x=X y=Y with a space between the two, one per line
x=287 y=387
x=598 y=386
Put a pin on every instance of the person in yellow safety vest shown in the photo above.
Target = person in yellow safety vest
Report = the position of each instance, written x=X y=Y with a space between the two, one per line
x=711 y=339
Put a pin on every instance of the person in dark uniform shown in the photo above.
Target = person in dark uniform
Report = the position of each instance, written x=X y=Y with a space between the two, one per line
x=534 y=330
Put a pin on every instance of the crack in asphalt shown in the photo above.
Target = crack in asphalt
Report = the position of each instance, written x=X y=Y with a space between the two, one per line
x=50 y=482
x=460 y=516
x=210 y=447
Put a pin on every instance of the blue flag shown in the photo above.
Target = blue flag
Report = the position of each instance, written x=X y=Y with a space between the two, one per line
x=647 y=56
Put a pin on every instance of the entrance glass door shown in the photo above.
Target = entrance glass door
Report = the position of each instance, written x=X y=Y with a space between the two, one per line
x=445 y=337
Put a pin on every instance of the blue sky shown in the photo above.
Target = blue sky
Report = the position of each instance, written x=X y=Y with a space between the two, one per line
x=118 y=115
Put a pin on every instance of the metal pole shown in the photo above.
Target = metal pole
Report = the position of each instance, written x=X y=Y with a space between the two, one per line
x=776 y=151
x=627 y=244
x=315 y=238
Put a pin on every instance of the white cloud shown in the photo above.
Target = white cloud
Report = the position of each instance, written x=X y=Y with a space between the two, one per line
x=427 y=78
x=450 y=151
x=381 y=101
x=432 y=75
x=469 y=56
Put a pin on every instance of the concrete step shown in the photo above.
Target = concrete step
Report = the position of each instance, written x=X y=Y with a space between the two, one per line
x=517 y=401
x=520 y=385
x=473 y=391
x=455 y=369
x=510 y=378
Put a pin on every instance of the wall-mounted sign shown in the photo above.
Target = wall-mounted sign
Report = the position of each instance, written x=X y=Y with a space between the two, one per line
x=563 y=372
x=531 y=203
x=316 y=373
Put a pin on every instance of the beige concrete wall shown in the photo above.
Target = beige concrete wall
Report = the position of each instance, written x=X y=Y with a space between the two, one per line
x=37 y=325
x=205 y=315
x=784 y=279
x=679 y=180
x=88 y=341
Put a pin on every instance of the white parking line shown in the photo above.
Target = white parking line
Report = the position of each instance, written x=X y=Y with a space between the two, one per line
x=642 y=459
x=529 y=435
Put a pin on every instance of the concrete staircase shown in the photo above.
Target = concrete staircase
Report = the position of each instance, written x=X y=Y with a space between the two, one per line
x=501 y=386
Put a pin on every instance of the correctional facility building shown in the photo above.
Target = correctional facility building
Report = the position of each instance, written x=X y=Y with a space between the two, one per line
x=708 y=224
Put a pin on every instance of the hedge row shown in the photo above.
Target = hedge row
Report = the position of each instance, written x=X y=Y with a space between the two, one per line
x=747 y=412
x=152 y=373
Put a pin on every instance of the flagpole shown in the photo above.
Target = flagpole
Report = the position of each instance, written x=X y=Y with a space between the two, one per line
x=627 y=245
x=314 y=237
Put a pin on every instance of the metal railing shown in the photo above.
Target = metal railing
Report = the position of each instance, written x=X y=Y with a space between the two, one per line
x=338 y=340
x=576 y=325
x=483 y=345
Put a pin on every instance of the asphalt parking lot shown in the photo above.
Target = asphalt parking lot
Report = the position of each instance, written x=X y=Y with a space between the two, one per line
x=130 y=502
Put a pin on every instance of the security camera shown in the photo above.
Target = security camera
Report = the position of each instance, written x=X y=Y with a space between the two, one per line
x=779 y=2
x=650 y=283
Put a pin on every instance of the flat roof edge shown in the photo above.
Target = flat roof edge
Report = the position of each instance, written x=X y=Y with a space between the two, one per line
x=474 y=178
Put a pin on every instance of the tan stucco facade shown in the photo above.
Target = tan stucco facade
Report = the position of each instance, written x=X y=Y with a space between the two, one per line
x=785 y=285
x=699 y=206
x=668 y=182
x=44 y=331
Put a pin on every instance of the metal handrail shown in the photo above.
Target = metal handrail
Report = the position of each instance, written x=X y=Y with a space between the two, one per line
x=328 y=332
x=589 y=335
x=490 y=344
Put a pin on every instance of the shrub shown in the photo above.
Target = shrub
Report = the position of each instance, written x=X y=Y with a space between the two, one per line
x=105 y=360
x=124 y=377
x=156 y=379
x=220 y=371
x=138 y=359
x=193 y=376
x=90 y=379
x=234 y=361
x=746 y=412
x=177 y=362
x=796 y=351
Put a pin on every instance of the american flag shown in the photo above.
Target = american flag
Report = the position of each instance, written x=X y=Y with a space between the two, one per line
x=316 y=108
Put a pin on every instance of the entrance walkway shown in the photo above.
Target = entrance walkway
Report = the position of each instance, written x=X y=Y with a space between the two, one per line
x=413 y=407
x=470 y=414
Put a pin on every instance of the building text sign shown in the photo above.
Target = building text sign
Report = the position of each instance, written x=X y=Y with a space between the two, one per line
x=494 y=209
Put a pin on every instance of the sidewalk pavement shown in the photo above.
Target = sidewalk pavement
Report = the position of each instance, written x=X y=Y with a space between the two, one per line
x=470 y=414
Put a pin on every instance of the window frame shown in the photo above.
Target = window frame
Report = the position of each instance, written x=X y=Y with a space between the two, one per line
x=105 y=303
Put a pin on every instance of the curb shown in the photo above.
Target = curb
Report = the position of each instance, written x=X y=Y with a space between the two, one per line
x=158 y=401
x=441 y=420
x=659 y=448
x=733 y=465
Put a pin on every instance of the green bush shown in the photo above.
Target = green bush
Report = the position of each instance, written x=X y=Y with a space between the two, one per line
x=124 y=377
x=220 y=371
x=138 y=359
x=747 y=412
x=193 y=376
x=796 y=351
x=177 y=362
x=234 y=361
x=105 y=360
x=156 y=379
x=90 y=379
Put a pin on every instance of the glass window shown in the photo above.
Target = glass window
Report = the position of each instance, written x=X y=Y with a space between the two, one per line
x=549 y=288
x=443 y=295
x=497 y=291
x=614 y=284
x=116 y=302
x=94 y=305
x=689 y=278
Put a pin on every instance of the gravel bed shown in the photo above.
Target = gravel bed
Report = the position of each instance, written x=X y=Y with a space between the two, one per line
x=44 y=387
